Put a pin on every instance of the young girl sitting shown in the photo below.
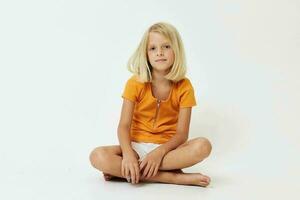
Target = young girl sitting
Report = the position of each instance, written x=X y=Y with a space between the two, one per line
x=154 y=124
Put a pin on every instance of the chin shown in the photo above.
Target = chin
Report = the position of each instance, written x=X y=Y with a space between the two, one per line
x=161 y=68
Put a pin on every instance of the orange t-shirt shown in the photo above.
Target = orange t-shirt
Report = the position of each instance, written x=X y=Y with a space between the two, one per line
x=155 y=121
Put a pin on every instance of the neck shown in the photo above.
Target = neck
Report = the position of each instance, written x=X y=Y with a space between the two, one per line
x=159 y=79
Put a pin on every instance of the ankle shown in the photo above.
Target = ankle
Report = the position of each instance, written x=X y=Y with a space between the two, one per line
x=176 y=177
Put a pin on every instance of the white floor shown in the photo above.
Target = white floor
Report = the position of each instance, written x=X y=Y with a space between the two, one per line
x=230 y=180
x=65 y=173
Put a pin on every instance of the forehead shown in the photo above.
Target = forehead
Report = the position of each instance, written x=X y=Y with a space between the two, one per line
x=157 y=38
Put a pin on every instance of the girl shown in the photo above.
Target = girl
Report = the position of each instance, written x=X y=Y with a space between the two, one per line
x=155 y=117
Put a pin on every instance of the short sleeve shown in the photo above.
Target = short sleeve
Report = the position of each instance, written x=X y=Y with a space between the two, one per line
x=186 y=95
x=131 y=90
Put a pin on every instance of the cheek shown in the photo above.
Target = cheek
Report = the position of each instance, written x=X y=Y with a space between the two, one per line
x=172 y=56
x=150 y=57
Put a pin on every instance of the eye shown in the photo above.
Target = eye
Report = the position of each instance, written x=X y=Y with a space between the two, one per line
x=167 y=46
x=152 y=48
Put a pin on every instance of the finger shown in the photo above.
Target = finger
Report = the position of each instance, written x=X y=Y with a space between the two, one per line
x=146 y=170
x=142 y=164
x=137 y=173
x=123 y=171
x=127 y=175
x=156 y=170
x=132 y=174
x=150 y=171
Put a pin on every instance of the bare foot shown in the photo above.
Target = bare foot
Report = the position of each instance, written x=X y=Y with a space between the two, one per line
x=107 y=177
x=193 y=179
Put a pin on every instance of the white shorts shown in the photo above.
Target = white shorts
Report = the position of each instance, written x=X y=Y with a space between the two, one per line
x=143 y=149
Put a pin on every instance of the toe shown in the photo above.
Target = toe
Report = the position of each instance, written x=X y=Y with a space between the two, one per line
x=203 y=184
x=205 y=179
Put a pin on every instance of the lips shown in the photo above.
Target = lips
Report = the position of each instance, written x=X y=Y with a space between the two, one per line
x=160 y=60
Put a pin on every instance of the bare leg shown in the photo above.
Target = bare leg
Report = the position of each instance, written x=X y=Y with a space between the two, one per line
x=187 y=154
x=109 y=177
x=110 y=163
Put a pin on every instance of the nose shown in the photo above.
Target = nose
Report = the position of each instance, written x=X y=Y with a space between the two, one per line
x=160 y=52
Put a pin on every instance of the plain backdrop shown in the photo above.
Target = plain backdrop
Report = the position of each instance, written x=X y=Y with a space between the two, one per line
x=63 y=70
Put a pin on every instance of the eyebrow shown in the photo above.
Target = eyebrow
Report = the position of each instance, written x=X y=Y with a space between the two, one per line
x=162 y=43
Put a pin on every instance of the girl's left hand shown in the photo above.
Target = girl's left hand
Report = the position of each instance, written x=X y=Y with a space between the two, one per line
x=151 y=163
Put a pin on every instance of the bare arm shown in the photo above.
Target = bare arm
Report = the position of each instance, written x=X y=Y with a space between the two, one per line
x=129 y=167
x=124 y=126
x=182 y=131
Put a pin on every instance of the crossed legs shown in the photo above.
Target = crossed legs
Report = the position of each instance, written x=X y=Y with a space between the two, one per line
x=108 y=159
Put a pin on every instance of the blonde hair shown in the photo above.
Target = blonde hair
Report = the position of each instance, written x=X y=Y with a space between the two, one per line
x=139 y=65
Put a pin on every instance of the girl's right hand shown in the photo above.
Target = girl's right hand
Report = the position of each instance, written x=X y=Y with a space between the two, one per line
x=130 y=168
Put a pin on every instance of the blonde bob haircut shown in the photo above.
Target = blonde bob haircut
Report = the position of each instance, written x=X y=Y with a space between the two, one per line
x=139 y=65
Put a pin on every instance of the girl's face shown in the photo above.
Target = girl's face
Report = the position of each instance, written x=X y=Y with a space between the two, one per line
x=160 y=53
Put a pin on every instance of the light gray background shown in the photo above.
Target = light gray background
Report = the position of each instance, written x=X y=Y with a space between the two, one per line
x=63 y=69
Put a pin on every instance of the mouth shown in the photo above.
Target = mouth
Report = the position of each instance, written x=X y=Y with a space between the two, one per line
x=160 y=60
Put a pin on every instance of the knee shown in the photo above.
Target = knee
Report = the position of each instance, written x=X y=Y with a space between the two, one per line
x=202 y=147
x=98 y=157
